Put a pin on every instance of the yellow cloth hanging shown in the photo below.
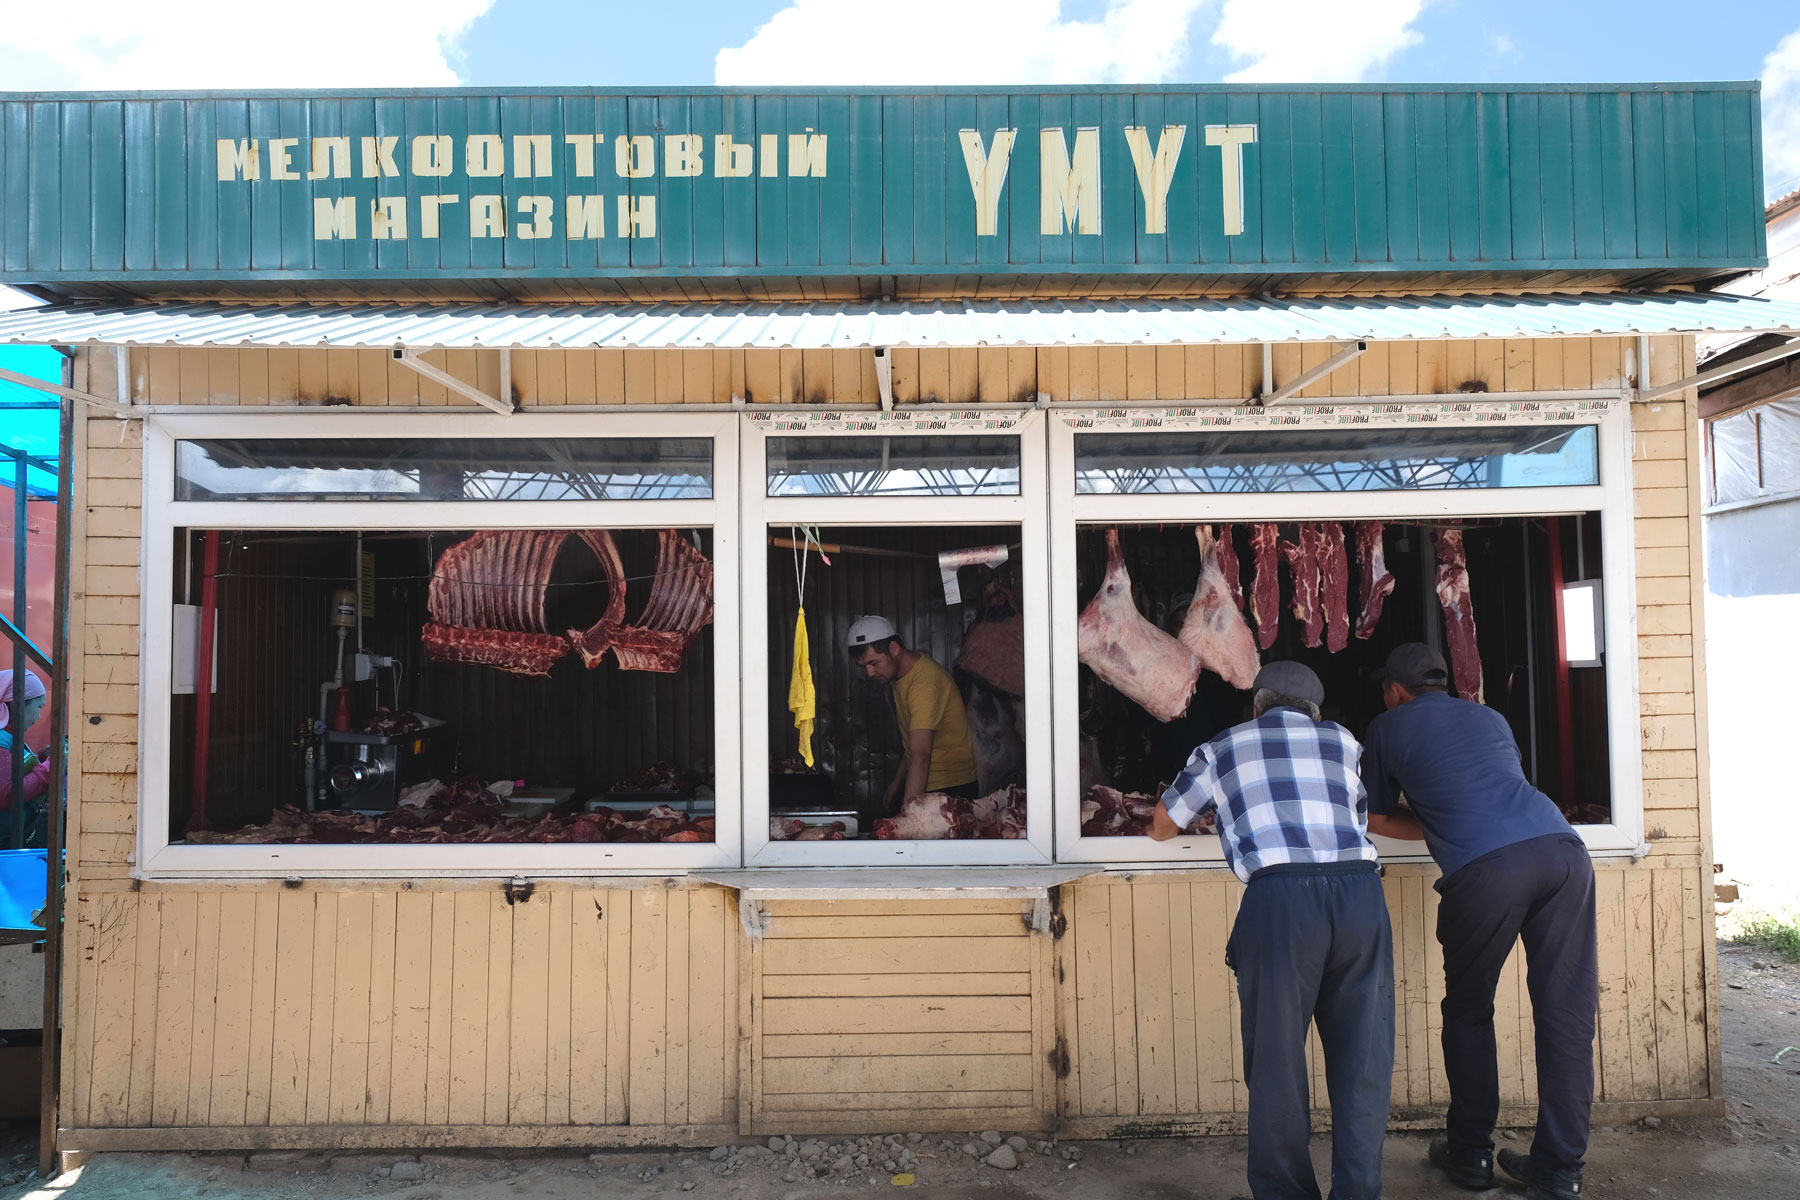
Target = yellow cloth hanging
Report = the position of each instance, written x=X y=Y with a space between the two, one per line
x=801 y=697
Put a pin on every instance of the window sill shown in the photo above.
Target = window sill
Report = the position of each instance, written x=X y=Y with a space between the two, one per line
x=897 y=883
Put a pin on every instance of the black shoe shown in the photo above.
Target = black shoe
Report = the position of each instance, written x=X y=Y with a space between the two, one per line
x=1472 y=1169
x=1541 y=1184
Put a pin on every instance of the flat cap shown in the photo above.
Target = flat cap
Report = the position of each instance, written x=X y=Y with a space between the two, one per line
x=1292 y=679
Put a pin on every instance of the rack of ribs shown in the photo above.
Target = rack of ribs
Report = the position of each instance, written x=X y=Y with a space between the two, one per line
x=1376 y=583
x=1127 y=651
x=680 y=606
x=486 y=600
x=593 y=642
x=1459 y=613
x=1213 y=628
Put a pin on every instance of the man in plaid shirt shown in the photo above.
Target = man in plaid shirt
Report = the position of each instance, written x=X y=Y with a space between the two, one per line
x=1312 y=941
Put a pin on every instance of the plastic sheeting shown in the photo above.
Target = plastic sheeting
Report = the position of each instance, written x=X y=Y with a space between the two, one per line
x=1756 y=454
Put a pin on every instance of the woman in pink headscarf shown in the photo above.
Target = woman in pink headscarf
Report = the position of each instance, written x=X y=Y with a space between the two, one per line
x=31 y=698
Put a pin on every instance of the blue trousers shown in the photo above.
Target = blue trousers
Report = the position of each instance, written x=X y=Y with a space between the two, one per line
x=1539 y=891
x=1312 y=945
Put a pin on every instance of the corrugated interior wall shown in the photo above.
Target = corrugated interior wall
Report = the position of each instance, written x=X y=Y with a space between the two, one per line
x=856 y=738
x=119 y=961
x=274 y=648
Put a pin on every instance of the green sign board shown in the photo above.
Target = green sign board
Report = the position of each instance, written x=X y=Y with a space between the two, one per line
x=1165 y=181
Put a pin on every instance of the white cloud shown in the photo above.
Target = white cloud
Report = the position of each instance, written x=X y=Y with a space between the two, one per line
x=1314 y=41
x=129 y=44
x=1499 y=42
x=1781 y=115
x=931 y=42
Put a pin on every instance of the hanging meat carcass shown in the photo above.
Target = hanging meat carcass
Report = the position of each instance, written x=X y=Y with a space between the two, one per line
x=520 y=653
x=1213 y=628
x=486 y=600
x=1127 y=651
x=993 y=649
x=593 y=642
x=1265 y=596
x=1303 y=569
x=1228 y=567
x=680 y=606
x=1334 y=586
x=1459 y=613
x=1376 y=582
x=997 y=727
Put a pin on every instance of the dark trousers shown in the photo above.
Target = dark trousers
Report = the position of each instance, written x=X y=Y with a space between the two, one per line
x=1312 y=943
x=1541 y=891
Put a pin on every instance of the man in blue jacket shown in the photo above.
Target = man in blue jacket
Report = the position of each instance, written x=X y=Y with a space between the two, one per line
x=1512 y=868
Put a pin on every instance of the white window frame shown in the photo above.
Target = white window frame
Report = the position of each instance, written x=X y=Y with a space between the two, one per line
x=158 y=859
x=1611 y=497
x=1026 y=510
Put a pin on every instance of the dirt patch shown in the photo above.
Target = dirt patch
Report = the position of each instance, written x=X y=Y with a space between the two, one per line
x=1753 y=1151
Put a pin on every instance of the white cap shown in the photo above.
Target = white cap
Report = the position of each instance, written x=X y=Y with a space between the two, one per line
x=869 y=631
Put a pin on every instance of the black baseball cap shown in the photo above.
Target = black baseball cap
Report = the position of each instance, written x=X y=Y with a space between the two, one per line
x=1292 y=679
x=1414 y=665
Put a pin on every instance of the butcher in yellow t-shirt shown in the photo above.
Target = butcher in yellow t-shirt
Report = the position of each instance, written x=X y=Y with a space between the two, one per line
x=940 y=753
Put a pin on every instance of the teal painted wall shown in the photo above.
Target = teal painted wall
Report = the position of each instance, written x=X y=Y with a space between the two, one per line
x=1338 y=180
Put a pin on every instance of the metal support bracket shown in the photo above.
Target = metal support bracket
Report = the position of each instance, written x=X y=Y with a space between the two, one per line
x=884 y=377
x=123 y=412
x=1297 y=385
x=407 y=358
x=1736 y=367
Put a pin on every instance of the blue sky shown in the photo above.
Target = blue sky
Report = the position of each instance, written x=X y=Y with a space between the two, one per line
x=613 y=42
x=402 y=43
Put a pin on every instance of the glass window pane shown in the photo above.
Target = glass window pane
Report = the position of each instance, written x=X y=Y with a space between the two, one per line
x=948 y=598
x=1337 y=460
x=893 y=466
x=445 y=469
x=517 y=700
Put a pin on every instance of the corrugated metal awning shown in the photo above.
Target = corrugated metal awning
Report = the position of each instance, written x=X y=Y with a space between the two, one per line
x=914 y=324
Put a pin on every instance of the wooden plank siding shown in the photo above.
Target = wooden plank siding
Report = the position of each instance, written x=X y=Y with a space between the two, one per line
x=434 y=1013
x=1651 y=1042
x=950 y=1011
x=928 y=1014
x=1136 y=374
x=175 y=1006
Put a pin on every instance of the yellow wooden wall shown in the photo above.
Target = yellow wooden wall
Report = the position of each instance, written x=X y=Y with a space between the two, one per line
x=415 y=1008
x=863 y=1015
x=1149 y=1015
x=333 y=981
x=1121 y=373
